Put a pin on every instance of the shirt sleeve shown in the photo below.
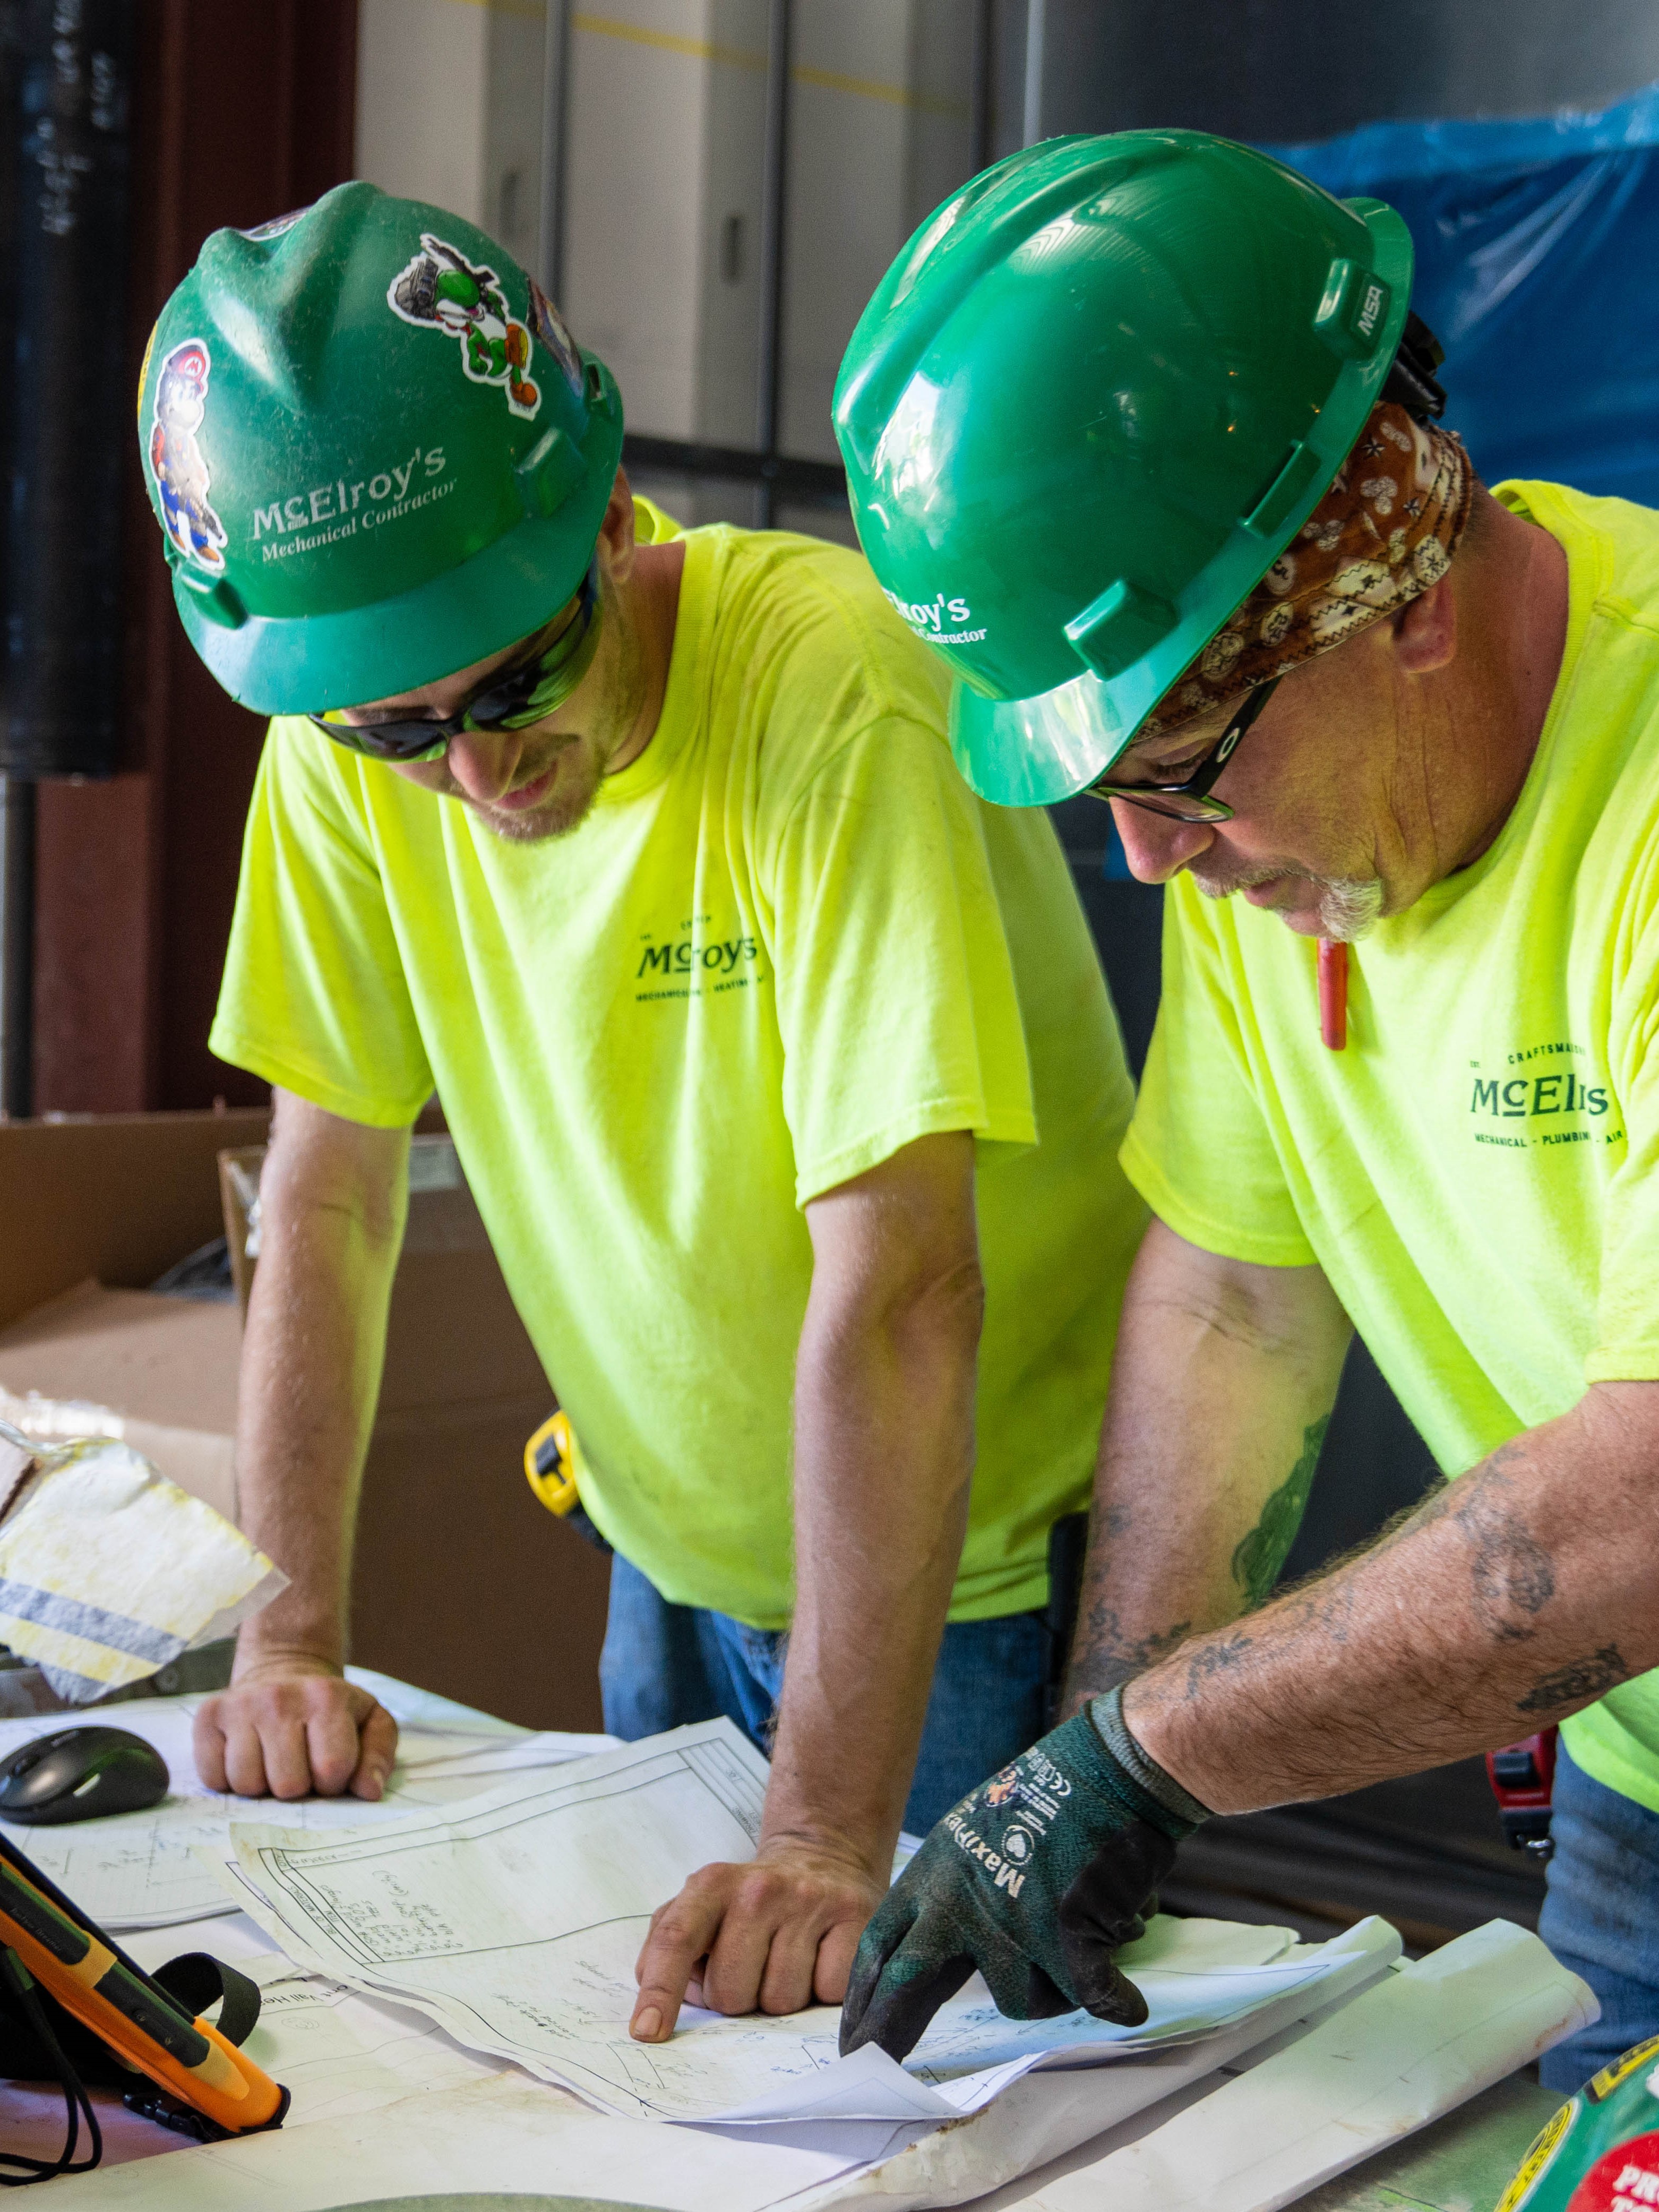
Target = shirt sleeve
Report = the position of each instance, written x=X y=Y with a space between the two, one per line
x=1199 y=1150
x=1626 y=1348
x=313 y=995
x=894 y=986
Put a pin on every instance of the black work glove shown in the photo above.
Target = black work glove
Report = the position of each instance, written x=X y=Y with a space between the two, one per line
x=1035 y=1878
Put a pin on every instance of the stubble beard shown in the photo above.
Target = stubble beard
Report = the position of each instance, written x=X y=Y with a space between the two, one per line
x=1347 y=906
x=567 y=807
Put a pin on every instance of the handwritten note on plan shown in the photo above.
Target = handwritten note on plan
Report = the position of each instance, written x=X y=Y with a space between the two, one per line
x=513 y=1920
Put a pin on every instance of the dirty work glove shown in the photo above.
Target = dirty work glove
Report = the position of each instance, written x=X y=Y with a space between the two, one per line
x=1038 y=1876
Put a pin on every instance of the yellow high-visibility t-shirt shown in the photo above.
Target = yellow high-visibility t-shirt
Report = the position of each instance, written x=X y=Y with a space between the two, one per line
x=1477 y=1173
x=785 y=942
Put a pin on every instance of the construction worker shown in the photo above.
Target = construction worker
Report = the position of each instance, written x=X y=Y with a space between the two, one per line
x=644 y=848
x=1148 y=410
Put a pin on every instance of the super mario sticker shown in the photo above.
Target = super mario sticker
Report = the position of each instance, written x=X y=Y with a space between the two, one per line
x=177 y=462
x=441 y=289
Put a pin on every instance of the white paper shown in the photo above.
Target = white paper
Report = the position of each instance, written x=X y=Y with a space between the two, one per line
x=510 y=2134
x=339 y=2053
x=1421 y=2042
x=145 y=1869
x=515 y=1921
x=108 y=1571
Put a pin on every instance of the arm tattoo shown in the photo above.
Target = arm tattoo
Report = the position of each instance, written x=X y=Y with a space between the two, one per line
x=1259 y=1558
x=1103 y=1656
x=1214 y=1656
x=1511 y=1578
x=1581 y=1678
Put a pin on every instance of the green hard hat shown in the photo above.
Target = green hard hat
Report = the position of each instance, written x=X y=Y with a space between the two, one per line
x=376 y=453
x=1091 y=403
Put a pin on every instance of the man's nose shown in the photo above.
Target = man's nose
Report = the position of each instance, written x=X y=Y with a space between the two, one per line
x=484 y=763
x=1157 y=845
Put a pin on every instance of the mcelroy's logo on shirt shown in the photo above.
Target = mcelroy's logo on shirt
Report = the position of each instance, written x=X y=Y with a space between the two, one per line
x=695 y=961
x=1555 y=1104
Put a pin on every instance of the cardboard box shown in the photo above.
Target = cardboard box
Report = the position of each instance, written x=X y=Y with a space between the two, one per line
x=92 y=1209
x=118 y=1198
x=159 y=1372
x=462 y=1580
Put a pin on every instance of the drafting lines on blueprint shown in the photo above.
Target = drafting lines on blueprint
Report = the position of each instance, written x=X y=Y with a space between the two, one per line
x=516 y=1921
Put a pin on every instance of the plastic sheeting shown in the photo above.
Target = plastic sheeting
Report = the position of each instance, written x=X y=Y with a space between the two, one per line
x=1537 y=241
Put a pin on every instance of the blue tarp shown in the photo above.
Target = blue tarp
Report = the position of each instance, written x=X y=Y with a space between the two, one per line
x=1538 y=266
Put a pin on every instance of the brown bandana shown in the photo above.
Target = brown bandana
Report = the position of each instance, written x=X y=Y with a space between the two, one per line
x=1384 y=531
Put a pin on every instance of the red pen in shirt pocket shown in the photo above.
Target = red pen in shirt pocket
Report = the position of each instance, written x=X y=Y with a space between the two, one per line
x=1333 y=994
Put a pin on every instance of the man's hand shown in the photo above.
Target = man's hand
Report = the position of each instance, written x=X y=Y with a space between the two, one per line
x=774 y=1935
x=1037 y=1878
x=289 y=1726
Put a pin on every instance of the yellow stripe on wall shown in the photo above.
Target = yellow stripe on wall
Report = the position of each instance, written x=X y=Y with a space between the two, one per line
x=705 y=50
x=668 y=42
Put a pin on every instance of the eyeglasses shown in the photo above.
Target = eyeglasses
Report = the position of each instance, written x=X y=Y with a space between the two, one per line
x=1189 y=800
x=508 y=698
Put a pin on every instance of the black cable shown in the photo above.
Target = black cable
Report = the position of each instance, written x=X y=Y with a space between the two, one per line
x=77 y=2102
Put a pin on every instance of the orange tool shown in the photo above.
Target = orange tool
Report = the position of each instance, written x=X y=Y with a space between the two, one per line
x=75 y=1963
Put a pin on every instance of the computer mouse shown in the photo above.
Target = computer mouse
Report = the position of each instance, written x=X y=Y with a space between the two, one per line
x=81 y=1774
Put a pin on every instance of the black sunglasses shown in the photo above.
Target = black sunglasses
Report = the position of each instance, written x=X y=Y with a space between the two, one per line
x=508 y=698
x=1189 y=800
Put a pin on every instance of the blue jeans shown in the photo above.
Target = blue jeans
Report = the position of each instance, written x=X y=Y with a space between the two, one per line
x=666 y=1665
x=1601 y=1917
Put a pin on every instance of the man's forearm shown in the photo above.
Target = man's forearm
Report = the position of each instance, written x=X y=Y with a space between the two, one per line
x=310 y=1377
x=883 y=1462
x=1514 y=1595
x=1221 y=1388
x=881 y=1485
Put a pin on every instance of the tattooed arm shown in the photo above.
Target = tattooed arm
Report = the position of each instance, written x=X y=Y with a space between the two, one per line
x=1515 y=1594
x=1224 y=1380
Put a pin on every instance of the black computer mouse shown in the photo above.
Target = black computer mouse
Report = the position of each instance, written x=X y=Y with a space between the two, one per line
x=79 y=1774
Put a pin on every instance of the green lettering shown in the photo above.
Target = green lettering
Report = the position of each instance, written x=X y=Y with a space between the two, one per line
x=1485 y=1096
x=656 y=955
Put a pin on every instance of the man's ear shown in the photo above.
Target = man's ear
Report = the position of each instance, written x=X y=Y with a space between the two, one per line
x=617 y=531
x=1426 y=630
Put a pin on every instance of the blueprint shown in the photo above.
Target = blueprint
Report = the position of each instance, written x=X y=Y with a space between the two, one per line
x=146 y=1870
x=514 y=1922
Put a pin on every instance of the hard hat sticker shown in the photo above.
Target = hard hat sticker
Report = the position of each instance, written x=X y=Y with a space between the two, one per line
x=441 y=289
x=551 y=328
x=177 y=462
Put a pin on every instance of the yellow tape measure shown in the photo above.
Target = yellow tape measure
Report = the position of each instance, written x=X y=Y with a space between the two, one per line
x=550 y=1465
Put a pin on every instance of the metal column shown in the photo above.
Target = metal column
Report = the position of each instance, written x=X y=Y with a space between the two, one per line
x=982 y=122
x=1036 y=39
x=774 y=218
x=555 y=120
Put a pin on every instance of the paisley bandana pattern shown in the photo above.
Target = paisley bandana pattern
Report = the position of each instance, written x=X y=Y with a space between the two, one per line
x=1385 y=531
